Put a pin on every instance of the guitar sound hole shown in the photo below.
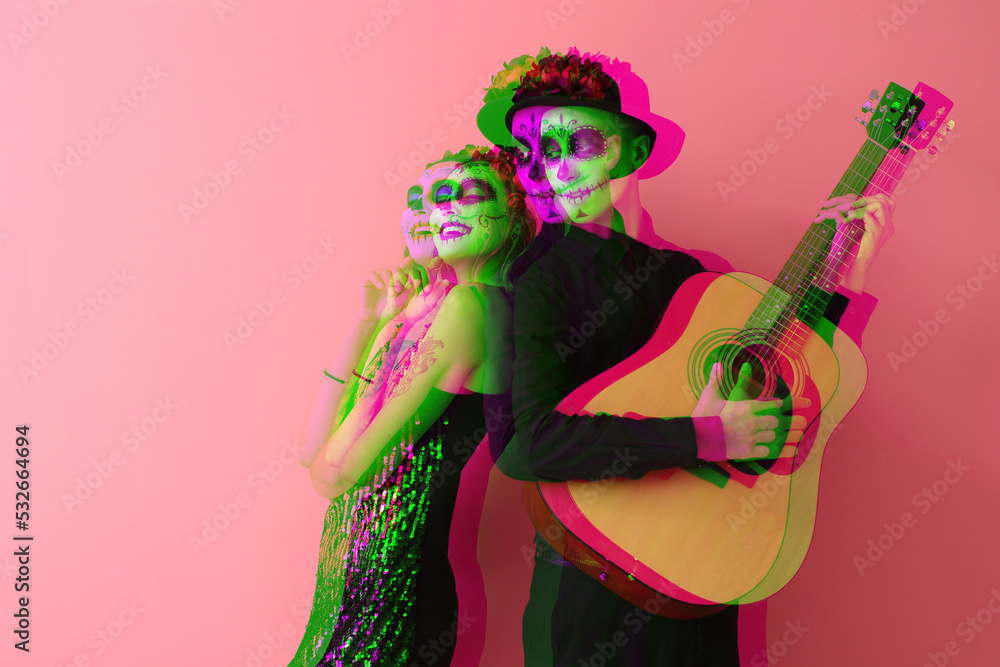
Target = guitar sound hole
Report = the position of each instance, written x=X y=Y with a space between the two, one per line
x=765 y=381
x=763 y=370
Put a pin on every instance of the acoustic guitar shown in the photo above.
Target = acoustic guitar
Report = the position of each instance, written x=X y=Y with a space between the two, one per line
x=685 y=542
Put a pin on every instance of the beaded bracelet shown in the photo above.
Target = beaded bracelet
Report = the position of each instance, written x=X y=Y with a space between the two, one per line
x=332 y=377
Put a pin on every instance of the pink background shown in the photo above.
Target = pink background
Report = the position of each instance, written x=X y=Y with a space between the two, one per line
x=161 y=336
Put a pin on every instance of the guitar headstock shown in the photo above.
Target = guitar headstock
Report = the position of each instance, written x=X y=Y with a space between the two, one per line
x=932 y=122
x=892 y=115
x=925 y=127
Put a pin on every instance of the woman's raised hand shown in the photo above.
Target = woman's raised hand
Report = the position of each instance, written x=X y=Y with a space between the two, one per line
x=385 y=292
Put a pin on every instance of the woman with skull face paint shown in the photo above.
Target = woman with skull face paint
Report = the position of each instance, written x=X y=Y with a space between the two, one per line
x=409 y=421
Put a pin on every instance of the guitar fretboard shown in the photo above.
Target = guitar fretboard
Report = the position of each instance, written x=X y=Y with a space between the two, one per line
x=806 y=282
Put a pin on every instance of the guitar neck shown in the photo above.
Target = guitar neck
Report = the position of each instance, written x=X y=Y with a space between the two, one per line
x=874 y=170
x=892 y=165
x=808 y=279
x=891 y=171
x=925 y=123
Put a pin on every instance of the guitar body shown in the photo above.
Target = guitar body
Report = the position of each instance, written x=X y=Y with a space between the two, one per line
x=679 y=541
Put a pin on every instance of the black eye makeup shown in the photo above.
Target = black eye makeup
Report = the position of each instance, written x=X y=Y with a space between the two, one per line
x=444 y=191
x=413 y=196
x=587 y=142
x=522 y=151
x=475 y=190
x=552 y=148
x=584 y=143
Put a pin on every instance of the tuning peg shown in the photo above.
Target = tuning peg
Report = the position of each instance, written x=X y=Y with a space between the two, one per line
x=873 y=95
x=863 y=122
x=866 y=107
x=894 y=106
x=921 y=124
x=939 y=137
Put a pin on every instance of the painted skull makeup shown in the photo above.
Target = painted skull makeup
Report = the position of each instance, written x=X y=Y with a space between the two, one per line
x=450 y=210
x=467 y=205
x=418 y=231
x=558 y=143
x=565 y=155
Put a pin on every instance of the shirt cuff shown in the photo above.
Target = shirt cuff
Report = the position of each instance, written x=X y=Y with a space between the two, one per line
x=855 y=318
x=711 y=438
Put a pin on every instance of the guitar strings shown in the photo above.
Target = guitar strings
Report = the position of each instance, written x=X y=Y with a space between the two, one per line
x=805 y=284
x=768 y=326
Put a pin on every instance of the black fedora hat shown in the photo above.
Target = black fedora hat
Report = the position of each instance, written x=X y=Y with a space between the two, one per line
x=589 y=81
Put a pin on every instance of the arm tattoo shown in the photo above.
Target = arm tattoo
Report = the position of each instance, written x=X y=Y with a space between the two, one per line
x=414 y=357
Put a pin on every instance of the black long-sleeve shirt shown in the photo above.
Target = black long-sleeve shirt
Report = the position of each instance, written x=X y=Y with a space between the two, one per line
x=580 y=304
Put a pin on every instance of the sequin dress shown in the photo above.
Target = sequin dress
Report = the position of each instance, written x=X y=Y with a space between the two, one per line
x=385 y=591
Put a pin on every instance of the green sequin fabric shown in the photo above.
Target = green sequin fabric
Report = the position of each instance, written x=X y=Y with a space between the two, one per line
x=377 y=573
x=369 y=561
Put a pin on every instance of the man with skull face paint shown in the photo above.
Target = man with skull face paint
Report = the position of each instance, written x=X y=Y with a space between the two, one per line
x=565 y=153
x=565 y=118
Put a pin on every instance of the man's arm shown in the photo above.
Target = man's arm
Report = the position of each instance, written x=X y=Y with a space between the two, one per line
x=550 y=445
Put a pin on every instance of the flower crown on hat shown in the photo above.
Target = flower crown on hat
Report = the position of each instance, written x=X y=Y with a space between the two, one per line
x=567 y=76
x=619 y=71
x=505 y=82
x=575 y=79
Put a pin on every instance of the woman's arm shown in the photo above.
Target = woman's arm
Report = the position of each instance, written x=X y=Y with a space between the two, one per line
x=330 y=393
x=383 y=296
x=435 y=360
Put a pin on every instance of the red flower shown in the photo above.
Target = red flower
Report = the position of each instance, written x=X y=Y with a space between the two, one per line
x=591 y=88
x=505 y=170
x=568 y=76
x=515 y=203
x=549 y=74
